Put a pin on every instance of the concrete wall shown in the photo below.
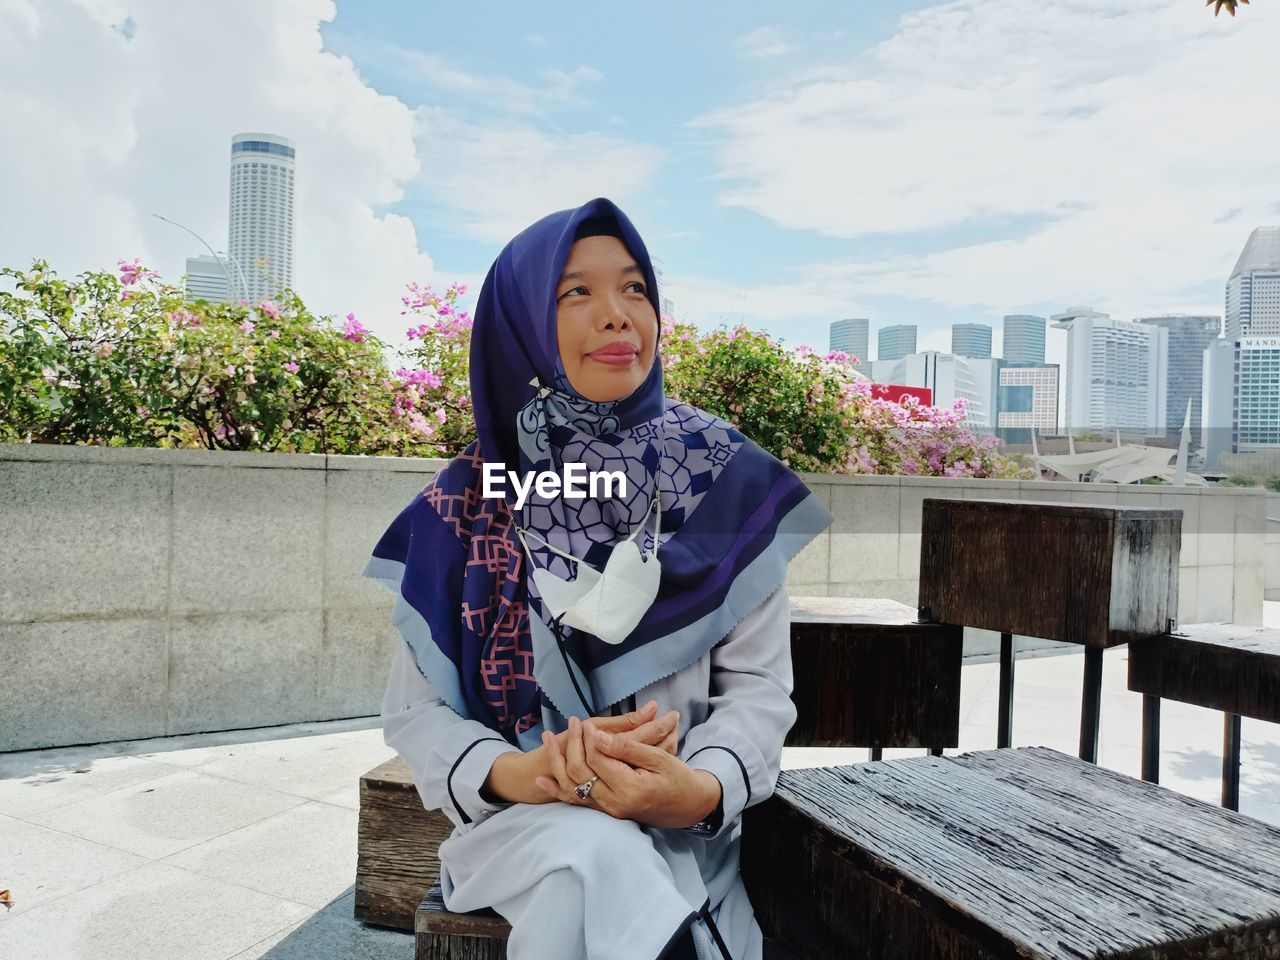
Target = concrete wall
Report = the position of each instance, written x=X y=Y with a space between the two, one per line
x=148 y=592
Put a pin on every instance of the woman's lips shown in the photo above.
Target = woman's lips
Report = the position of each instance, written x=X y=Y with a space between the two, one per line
x=616 y=354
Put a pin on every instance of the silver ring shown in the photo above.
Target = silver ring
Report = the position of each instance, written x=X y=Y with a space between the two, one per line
x=583 y=790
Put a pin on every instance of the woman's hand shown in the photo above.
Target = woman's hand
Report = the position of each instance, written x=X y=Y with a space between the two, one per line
x=513 y=775
x=636 y=781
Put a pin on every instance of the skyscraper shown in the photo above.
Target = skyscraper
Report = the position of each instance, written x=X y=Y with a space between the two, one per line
x=1253 y=289
x=1117 y=373
x=949 y=378
x=261 y=222
x=1027 y=400
x=1252 y=338
x=206 y=279
x=664 y=301
x=895 y=342
x=971 y=340
x=1023 y=338
x=1188 y=337
x=852 y=336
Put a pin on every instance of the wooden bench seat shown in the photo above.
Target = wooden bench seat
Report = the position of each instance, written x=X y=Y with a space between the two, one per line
x=1016 y=853
x=1221 y=666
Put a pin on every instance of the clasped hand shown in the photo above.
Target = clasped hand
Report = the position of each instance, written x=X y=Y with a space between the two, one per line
x=633 y=757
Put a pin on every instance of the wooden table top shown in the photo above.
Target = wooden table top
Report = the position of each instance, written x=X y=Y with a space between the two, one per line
x=1046 y=852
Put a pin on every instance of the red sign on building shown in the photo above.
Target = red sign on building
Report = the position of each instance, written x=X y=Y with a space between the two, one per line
x=895 y=392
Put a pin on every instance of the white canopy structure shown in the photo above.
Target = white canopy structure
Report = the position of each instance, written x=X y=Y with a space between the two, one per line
x=1128 y=463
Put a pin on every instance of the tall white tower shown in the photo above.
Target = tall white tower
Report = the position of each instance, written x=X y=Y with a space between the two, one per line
x=261 y=220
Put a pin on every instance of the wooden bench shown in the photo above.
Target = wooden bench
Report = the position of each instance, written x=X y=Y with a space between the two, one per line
x=1093 y=575
x=397 y=843
x=1026 y=853
x=1222 y=666
x=868 y=673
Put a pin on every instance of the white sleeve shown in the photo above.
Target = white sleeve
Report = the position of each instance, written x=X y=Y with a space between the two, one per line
x=449 y=756
x=750 y=708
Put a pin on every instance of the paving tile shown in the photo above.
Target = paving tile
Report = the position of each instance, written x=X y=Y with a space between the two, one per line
x=156 y=912
x=332 y=934
x=311 y=767
x=39 y=865
x=161 y=816
x=35 y=786
x=281 y=855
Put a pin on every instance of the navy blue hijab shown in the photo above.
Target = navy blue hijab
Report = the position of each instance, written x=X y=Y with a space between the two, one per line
x=732 y=515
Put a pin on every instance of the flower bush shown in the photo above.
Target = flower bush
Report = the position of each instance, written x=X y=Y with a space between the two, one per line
x=121 y=359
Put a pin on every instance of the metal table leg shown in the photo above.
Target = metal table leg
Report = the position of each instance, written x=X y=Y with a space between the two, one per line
x=1150 y=738
x=1231 y=762
x=1004 y=721
x=1091 y=704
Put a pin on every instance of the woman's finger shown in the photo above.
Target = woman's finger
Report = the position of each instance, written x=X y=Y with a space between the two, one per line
x=556 y=761
x=615 y=774
x=575 y=760
x=629 y=721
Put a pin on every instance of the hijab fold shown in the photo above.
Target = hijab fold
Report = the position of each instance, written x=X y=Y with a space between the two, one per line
x=732 y=514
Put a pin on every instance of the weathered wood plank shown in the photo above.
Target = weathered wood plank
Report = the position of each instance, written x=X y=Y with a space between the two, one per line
x=1013 y=853
x=1086 y=574
x=1222 y=666
x=866 y=674
x=397 y=847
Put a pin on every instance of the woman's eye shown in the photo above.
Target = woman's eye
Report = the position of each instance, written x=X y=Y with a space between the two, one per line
x=637 y=283
x=575 y=289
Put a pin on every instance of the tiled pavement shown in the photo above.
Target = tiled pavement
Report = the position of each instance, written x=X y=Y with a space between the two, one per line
x=242 y=845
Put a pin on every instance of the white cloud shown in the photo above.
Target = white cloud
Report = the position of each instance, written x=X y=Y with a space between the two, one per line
x=764 y=43
x=560 y=88
x=103 y=129
x=1123 y=151
x=497 y=179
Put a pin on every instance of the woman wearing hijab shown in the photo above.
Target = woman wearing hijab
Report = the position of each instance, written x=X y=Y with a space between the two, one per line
x=532 y=626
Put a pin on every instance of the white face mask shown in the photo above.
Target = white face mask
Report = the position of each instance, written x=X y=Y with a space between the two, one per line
x=610 y=603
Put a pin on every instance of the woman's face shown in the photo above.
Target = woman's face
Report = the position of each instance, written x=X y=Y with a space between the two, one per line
x=607 y=328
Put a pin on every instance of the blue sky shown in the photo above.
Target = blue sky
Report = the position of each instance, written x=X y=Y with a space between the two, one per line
x=790 y=164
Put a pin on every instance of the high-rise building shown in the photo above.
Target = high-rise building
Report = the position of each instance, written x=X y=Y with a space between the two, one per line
x=1253 y=290
x=261 y=222
x=1023 y=338
x=1026 y=400
x=668 y=309
x=852 y=336
x=1242 y=370
x=1256 y=400
x=1217 y=410
x=948 y=377
x=971 y=340
x=895 y=342
x=1117 y=373
x=1188 y=337
x=207 y=278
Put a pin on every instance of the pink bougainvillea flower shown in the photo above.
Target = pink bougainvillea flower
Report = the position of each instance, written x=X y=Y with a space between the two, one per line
x=354 y=330
x=291 y=367
x=247 y=326
x=269 y=308
x=274 y=334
